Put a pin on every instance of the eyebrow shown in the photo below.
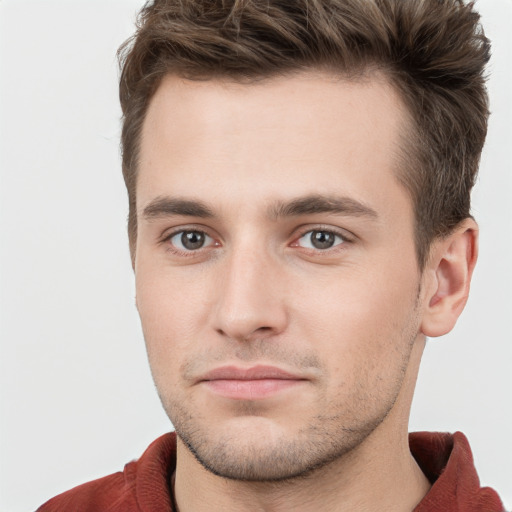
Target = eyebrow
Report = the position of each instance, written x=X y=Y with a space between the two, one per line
x=310 y=205
x=307 y=205
x=169 y=206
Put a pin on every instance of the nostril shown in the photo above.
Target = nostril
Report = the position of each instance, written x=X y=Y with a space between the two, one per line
x=254 y=334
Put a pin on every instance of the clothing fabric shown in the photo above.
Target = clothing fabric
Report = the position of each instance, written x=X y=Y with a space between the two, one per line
x=143 y=486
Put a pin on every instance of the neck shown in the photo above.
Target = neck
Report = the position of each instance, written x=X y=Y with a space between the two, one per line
x=379 y=474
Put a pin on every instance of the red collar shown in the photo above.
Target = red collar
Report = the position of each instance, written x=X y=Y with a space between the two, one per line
x=445 y=459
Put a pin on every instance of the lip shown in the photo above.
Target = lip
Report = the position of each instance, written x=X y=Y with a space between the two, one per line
x=254 y=373
x=253 y=383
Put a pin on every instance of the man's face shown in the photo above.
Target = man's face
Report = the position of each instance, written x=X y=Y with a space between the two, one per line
x=276 y=275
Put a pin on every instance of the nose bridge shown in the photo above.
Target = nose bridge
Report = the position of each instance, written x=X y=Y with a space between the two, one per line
x=250 y=303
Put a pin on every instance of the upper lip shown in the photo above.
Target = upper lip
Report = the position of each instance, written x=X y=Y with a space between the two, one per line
x=254 y=373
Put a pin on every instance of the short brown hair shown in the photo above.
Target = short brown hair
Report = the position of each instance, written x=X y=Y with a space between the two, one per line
x=434 y=52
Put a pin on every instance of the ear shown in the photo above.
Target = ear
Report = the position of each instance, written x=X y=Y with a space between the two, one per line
x=448 y=277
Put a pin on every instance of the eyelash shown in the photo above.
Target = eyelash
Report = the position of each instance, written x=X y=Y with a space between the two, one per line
x=166 y=239
x=345 y=238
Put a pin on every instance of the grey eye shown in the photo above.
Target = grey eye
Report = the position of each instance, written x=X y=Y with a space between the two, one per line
x=190 y=240
x=320 y=239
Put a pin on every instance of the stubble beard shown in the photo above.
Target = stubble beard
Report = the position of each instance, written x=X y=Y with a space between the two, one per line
x=260 y=456
x=335 y=433
x=286 y=459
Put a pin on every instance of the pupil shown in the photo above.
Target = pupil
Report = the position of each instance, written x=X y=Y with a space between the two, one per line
x=322 y=239
x=192 y=239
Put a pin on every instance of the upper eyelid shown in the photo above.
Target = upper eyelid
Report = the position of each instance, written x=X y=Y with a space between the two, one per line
x=343 y=233
x=170 y=232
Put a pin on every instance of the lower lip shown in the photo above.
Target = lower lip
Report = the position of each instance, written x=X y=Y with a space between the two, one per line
x=250 y=389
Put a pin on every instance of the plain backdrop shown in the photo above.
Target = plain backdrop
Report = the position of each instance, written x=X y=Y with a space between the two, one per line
x=77 y=399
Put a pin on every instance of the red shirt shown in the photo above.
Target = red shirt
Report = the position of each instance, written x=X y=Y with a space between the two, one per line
x=143 y=486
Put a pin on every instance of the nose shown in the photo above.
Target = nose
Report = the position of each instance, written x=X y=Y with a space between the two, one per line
x=252 y=296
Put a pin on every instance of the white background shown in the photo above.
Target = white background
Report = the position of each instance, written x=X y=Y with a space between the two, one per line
x=77 y=400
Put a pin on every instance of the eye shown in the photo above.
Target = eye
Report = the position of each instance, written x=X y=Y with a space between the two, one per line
x=190 y=240
x=319 y=239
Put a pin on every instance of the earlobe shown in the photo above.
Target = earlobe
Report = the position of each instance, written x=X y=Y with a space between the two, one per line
x=450 y=269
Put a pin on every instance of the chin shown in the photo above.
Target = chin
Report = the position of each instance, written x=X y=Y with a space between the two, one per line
x=258 y=450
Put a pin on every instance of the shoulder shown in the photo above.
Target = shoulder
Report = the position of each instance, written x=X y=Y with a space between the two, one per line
x=98 y=495
x=142 y=485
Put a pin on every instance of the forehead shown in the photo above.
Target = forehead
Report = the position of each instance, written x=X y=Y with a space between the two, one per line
x=276 y=139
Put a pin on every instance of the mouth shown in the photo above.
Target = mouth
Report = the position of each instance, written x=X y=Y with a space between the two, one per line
x=255 y=383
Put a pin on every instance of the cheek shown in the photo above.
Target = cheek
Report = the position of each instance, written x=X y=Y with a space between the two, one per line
x=362 y=319
x=172 y=310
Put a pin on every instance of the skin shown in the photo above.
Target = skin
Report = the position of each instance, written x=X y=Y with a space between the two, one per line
x=255 y=169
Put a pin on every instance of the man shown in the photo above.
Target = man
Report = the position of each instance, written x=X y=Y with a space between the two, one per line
x=298 y=177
